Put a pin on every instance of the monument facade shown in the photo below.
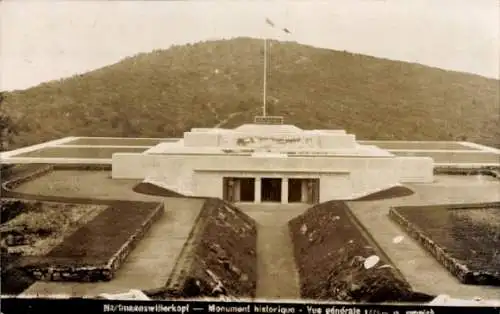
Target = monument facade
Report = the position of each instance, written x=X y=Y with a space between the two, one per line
x=261 y=163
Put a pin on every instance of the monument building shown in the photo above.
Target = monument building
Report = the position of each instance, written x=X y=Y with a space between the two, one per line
x=271 y=162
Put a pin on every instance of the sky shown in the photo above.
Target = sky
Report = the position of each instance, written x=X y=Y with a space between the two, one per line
x=45 y=40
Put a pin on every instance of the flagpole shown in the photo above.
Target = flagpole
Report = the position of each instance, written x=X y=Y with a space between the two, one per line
x=265 y=79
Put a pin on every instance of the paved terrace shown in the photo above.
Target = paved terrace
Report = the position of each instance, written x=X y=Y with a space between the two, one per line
x=99 y=150
x=150 y=263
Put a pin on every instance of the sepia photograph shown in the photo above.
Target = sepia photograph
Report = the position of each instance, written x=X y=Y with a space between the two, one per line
x=336 y=157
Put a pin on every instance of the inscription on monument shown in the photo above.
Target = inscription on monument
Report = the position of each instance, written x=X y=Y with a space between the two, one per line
x=259 y=141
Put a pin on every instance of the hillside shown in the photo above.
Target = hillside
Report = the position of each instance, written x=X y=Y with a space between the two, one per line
x=166 y=92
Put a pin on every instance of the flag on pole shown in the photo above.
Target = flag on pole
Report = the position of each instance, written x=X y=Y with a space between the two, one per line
x=271 y=23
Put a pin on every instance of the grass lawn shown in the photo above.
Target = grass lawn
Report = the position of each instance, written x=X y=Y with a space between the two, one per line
x=466 y=240
x=423 y=145
x=42 y=225
x=102 y=237
x=96 y=250
x=118 y=141
x=446 y=157
x=80 y=152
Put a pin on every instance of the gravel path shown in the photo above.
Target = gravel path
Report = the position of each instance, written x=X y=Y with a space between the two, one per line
x=277 y=274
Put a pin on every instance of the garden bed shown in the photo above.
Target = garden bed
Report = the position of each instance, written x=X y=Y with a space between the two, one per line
x=330 y=249
x=96 y=251
x=463 y=238
x=219 y=257
x=33 y=228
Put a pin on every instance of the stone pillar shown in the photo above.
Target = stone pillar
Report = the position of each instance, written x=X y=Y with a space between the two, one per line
x=237 y=190
x=229 y=189
x=303 y=191
x=258 y=187
x=284 y=191
x=316 y=191
x=310 y=194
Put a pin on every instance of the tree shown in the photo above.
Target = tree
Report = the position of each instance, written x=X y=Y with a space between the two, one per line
x=7 y=131
x=7 y=126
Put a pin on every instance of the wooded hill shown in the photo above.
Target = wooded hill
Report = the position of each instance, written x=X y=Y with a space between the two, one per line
x=166 y=92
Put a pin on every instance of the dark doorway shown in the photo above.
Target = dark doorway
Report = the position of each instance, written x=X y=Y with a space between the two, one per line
x=271 y=190
x=295 y=190
x=239 y=189
x=247 y=189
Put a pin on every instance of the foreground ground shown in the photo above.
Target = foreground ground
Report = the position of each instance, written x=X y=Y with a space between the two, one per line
x=422 y=271
x=150 y=263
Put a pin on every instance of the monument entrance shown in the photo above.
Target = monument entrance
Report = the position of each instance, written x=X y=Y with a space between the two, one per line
x=271 y=190
x=295 y=190
x=303 y=190
x=238 y=189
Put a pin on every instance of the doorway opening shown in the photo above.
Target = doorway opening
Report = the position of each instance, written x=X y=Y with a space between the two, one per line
x=238 y=189
x=271 y=190
x=295 y=190
x=303 y=190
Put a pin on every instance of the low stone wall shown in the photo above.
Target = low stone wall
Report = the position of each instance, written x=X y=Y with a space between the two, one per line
x=83 y=167
x=219 y=257
x=330 y=248
x=121 y=255
x=70 y=273
x=17 y=181
x=488 y=171
x=8 y=187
